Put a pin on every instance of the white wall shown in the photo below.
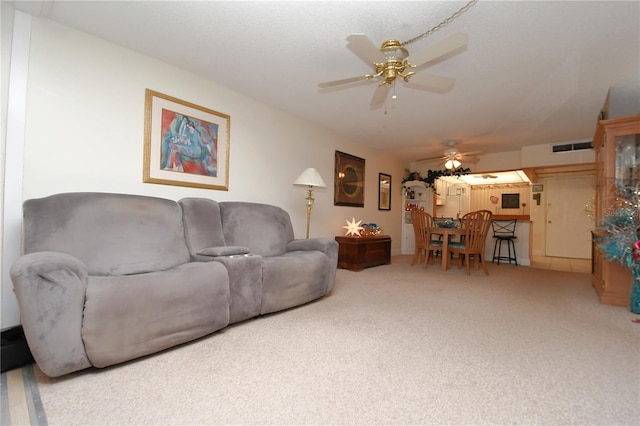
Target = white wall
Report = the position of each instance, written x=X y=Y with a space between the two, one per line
x=510 y=160
x=85 y=129
x=15 y=54
x=542 y=155
x=528 y=156
x=6 y=38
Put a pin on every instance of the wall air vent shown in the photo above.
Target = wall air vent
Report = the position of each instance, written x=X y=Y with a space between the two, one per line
x=568 y=147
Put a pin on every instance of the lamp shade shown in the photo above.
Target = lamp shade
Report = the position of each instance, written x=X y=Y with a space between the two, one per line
x=310 y=177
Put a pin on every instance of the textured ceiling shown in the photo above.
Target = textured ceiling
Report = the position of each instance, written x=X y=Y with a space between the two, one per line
x=532 y=73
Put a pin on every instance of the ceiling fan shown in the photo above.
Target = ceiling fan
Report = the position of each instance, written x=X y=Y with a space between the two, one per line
x=452 y=158
x=392 y=60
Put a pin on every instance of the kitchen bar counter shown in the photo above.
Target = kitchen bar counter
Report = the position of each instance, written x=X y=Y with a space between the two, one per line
x=520 y=217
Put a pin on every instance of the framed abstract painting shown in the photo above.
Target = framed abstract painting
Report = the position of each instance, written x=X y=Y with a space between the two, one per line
x=348 y=180
x=185 y=144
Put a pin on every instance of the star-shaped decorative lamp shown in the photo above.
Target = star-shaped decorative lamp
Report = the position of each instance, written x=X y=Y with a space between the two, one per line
x=353 y=227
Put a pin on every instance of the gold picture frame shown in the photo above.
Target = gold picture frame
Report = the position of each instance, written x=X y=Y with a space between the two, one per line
x=185 y=144
x=348 y=180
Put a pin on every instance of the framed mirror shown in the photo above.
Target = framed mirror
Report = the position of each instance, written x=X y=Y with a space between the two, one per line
x=348 y=180
x=384 y=191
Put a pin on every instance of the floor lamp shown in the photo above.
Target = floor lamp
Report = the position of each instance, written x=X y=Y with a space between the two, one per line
x=310 y=178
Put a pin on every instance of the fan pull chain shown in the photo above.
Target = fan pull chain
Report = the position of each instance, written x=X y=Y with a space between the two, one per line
x=394 y=97
x=443 y=23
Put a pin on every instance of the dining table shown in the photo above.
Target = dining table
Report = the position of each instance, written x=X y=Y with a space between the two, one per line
x=447 y=232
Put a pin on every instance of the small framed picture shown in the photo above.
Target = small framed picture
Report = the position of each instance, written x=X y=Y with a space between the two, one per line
x=510 y=201
x=536 y=188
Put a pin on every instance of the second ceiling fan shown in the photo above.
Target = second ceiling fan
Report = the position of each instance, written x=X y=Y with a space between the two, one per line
x=392 y=60
x=452 y=158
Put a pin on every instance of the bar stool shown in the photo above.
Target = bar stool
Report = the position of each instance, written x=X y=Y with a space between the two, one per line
x=504 y=230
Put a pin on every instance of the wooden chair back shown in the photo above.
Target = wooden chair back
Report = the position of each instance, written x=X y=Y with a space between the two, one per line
x=425 y=243
x=476 y=226
x=420 y=227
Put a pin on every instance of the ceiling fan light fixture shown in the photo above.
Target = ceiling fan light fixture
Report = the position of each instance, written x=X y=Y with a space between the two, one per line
x=392 y=50
x=396 y=61
x=452 y=164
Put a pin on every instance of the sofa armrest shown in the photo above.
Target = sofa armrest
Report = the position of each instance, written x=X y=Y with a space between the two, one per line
x=51 y=289
x=326 y=245
x=209 y=254
x=223 y=251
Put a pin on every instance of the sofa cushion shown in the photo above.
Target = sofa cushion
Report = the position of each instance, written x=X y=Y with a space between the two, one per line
x=113 y=234
x=135 y=315
x=264 y=228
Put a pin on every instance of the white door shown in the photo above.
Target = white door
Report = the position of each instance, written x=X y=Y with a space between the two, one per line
x=568 y=227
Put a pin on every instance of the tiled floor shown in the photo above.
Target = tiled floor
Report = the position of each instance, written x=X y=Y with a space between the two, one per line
x=562 y=264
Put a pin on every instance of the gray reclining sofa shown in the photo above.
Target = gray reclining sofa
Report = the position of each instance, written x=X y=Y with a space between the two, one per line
x=107 y=278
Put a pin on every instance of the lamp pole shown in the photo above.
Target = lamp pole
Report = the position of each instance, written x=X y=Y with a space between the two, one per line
x=309 y=204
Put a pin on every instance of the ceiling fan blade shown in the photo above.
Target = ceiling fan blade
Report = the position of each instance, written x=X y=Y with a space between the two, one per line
x=438 y=49
x=471 y=153
x=365 y=49
x=468 y=159
x=343 y=81
x=379 y=96
x=431 y=82
x=439 y=157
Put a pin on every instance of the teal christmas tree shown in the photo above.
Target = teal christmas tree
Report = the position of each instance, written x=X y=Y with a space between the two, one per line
x=621 y=242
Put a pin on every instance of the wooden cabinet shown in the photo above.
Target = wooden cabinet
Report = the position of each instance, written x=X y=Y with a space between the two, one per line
x=611 y=280
x=617 y=147
x=357 y=253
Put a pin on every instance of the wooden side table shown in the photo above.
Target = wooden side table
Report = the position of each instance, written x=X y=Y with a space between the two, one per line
x=357 y=253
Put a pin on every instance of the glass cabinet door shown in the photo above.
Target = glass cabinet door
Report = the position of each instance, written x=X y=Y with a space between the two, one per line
x=628 y=160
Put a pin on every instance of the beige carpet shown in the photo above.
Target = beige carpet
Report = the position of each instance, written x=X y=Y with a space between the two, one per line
x=393 y=344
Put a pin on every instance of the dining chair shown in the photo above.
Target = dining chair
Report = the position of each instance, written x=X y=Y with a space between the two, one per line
x=433 y=239
x=476 y=228
x=422 y=227
x=420 y=234
x=462 y=220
